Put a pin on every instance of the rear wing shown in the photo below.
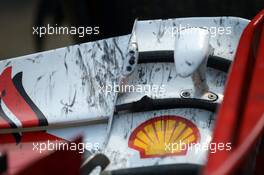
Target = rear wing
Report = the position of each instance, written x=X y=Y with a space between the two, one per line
x=240 y=120
x=66 y=87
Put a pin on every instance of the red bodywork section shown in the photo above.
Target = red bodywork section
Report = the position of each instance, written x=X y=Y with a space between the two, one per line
x=16 y=103
x=21 y=154
x=240 y=120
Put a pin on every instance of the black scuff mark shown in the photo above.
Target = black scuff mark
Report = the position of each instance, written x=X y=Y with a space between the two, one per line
x=221 y=21
x=68 y=49
x=31 y=59
x=35 y=59
x=231 y=51
x=93 y=56
x=215 y=21
x=218 y=43
x=157 y=69
x=36 y=83
x=98 y=79
x=99 y=45
x=188 y=63
x=82 y=66
x=67 y=106
x=162 y=78
x=109 y=58
x=39 y=78
x=173 y=24
x=65 y=63
x=86 y=79
x=210 y=120
x=169 y=76
x=89 y=50
x=8 y=63
x=107 y=53
x=150 y=74
x=141 y=73
x=102 y=100
x=160 y=33
x=51 y=85
x=118 y=49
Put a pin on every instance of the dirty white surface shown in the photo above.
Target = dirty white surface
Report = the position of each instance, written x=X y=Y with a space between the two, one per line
x=163 y=74
x=191 y=49
x=159 y=34
x=117 y=150
x=64 y=85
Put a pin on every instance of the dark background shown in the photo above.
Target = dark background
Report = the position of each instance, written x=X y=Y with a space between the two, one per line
x=115 y=17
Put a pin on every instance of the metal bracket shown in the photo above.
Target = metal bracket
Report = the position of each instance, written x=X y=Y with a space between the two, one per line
x=131 y=58
x=191 y=52
x=192 y=49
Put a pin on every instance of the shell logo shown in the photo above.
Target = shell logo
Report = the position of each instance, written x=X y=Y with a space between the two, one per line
x=150 y=137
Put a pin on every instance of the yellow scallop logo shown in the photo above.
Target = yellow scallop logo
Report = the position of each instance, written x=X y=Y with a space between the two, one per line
x=153 y=136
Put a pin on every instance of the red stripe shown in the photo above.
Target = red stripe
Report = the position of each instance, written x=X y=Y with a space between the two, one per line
x=15 y=102
x=243 y=100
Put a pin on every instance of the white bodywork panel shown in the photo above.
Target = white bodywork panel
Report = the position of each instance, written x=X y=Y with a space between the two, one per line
x=117 y=150
x=159 y=33
x=64 y=84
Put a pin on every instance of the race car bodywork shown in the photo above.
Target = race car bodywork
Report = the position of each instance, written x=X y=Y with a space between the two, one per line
x=178 y=80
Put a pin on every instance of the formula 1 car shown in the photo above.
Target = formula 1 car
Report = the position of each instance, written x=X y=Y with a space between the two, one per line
x=144 y=103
